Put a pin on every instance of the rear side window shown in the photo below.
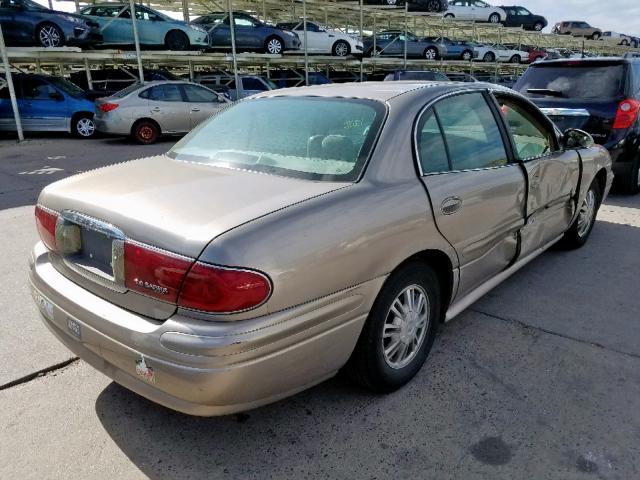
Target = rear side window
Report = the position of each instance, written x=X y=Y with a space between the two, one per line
x=253 y=84
x=470 y=132
x=432 y=152
x=593 y=80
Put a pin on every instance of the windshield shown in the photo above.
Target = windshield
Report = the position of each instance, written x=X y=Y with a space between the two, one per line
x=66 y=86
x=583 y=80
x=426 y=76
x=327 y=139
x=33 y=6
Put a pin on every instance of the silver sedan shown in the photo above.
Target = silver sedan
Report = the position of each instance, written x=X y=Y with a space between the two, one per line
x=304 y=231
x=147 y=111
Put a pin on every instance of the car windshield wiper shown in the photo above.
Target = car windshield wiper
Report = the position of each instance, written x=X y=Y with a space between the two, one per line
x=546 y=91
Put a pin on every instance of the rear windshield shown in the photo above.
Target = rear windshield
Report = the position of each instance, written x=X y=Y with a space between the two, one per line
x=126 y=91
x=426 y=76
x=583 y=80
x=326 y=139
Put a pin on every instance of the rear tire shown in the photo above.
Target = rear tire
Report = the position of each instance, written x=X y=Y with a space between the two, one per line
x=489 y=57
x=433 y=6
x=515 y=59
x=467 y=55
x=595 y=36
x=391 y=349
x=176 y=41
x=430 y=53
x=145 y=132
x=494 y=18
x=579 y=232
x=450 y=15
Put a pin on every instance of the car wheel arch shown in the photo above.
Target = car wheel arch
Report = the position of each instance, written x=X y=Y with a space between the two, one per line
x=174 y=31
x=601 y=178
x=442 y=264
x=145 y=119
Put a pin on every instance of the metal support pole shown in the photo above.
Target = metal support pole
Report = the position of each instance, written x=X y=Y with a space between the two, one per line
x=87 y=71
x=362 y=40
x=77 y=5
x=12 y=91
x=232 y=27
x=192 y=75
x=136 y=39
x=38 y=66
x=306 y=52
x=406 y=20
x=264 y=11
x=50 y=4
x=185 y=10
x=373 y=53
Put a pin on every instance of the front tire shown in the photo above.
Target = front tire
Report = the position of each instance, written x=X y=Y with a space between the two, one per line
x=595 y=36
x=515 y=59
x=176 y=41
x=341 y=49
x=145 y=132
x=399 y=331
x=83 y=126
x=579 y=232
x=49 y=35
x=467 y=55
x=538 y=26
x=433 y=6
x=274 y=46
x=631 y=183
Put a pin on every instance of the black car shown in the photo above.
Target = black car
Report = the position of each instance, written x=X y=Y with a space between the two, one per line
x=600 y=96
x=108 y=81
x=414 y=5
x=521 y=17
x=24 y=22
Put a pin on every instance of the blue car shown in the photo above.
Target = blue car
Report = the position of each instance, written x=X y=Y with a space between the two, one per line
x=25 y=22
x=154 y=28
x=47 y=104
x=456 y=49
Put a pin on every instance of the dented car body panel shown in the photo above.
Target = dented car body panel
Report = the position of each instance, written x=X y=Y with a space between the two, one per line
x=327 y=246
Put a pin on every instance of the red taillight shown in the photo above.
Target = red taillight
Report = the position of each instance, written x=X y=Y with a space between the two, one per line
x=222 y=290
x=107 y=107
x=46 y=223
x=627 y=113
x=153 y=272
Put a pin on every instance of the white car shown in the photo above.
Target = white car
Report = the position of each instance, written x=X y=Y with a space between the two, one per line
x=499 y=53
x=620 y=38
x=321 y=40
x=476 y=10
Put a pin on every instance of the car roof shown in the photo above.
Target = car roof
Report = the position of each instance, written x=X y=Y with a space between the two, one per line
x=380 y=91
x=592 y=60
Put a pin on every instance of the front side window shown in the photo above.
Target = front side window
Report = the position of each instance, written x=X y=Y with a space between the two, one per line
x=470 y=132
x=199 y=94
x=243 y=22
x=34 y=89
x=322 y=139
x=532 y=138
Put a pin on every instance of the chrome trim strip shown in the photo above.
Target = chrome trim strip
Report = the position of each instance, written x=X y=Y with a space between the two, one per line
x=458 y=306
x=566 y=112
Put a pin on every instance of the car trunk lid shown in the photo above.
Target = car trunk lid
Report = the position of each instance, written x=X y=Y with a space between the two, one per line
x=168 y=204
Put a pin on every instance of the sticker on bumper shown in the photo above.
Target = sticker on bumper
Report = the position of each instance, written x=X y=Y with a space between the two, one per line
x=145 y=371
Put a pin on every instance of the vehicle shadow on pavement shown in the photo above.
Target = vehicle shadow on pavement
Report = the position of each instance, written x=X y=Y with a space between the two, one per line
x=529 y=382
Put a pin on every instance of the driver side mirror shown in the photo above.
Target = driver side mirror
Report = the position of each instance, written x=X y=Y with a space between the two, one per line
x=574 y=138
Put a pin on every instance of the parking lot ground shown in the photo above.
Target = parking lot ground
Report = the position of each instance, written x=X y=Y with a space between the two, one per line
x=539 y=379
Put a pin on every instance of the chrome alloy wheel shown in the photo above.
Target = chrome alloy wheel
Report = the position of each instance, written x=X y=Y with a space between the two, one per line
x=49 y=36
x=587 y=213
x=85 y=127
x=405 y=326
x=342 y=49
x=274 y=46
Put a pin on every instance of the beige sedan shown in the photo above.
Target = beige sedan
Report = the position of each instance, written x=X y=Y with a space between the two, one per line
x=147 y=111
x=304 y=231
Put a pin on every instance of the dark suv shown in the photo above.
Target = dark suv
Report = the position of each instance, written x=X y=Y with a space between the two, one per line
x=600 y=96
x=521 y=17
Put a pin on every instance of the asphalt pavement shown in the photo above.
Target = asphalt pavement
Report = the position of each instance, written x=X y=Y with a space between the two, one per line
x=538 y=379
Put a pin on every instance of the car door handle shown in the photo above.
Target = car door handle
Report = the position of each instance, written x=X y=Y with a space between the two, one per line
x=155 y=109
x=451 y=205
x=195 y=109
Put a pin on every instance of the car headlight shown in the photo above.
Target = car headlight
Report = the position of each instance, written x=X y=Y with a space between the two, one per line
x=198 y=29
x=72 y=19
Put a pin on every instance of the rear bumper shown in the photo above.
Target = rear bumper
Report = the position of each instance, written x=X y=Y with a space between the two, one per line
x=199 y=367
x=113 y=126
